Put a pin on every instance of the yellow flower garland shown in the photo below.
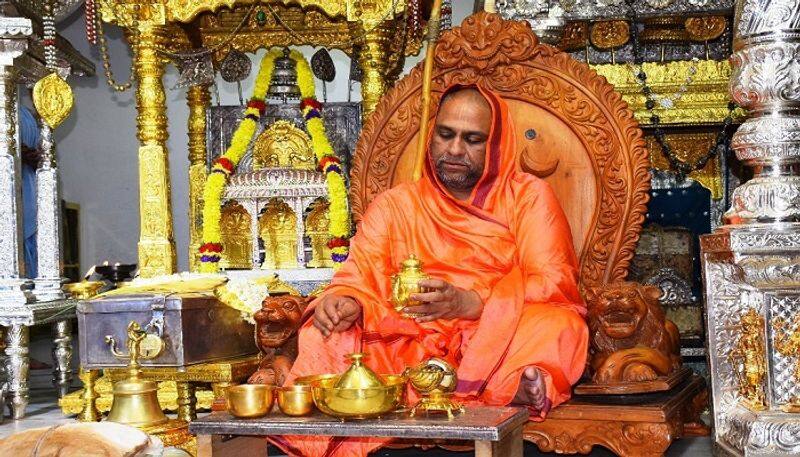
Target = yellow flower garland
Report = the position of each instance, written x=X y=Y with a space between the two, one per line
x=224 y=166
x=339 y=213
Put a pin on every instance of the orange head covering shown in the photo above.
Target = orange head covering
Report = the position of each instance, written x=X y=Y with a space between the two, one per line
x=500 y=165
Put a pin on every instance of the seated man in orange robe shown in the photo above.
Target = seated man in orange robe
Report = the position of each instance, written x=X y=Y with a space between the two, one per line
x=503 y=306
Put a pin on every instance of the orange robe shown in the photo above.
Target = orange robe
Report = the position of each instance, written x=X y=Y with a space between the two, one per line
x=510 y=242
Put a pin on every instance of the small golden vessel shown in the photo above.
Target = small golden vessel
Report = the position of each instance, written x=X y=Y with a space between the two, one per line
x=250 y=400
x=359 y=393
x=296 y=400
x=405 y=283
x=435 y=380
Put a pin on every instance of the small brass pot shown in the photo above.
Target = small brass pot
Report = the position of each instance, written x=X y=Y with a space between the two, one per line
x=250 y=400
x=295 y=400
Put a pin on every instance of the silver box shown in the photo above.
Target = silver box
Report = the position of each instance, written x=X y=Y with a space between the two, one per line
x=196 y=328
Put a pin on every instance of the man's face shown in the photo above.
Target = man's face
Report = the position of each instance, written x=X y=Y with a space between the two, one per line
x=458 y=146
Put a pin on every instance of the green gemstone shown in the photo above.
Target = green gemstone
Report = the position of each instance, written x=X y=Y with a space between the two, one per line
x=261 y=18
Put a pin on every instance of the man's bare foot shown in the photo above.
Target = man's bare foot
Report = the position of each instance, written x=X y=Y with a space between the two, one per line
x=531 y=390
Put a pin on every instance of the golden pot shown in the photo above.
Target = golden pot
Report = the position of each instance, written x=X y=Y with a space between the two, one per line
x=358 y=403
x=250 y=400
x=295 y=400
x=406 y=283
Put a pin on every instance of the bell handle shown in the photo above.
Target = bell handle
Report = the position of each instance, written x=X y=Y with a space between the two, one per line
x=112 y=345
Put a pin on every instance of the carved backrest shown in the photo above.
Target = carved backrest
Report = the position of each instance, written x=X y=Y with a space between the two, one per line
x=573 y=130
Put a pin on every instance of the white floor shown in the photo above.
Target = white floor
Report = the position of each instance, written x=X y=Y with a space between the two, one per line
x=43 y=411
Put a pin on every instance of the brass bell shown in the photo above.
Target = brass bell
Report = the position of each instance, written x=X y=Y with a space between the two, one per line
x=135 y=400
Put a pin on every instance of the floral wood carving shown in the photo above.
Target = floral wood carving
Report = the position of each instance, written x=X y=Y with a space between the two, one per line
x=506 y=57
x=622 y=438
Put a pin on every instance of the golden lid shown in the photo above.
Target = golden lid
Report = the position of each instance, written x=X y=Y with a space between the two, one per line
x=411 y=263
x=358 y=376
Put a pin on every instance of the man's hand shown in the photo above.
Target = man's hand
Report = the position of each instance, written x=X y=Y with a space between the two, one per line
x=445 y=301
x=335 y=313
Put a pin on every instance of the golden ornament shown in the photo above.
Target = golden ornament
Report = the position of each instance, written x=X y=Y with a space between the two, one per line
x=53 y=99
x=610 y=34
x=706 y=28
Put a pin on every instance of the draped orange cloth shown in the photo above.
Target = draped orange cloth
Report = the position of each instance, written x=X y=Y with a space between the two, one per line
x=509 y=242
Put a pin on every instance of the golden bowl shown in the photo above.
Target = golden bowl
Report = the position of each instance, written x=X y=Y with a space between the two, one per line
x=250 y=400
x=310 y=380
x=83 y=290
x=295 y=400
x=358 y=403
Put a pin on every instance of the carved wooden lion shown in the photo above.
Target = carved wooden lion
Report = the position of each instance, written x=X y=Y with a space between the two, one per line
x=276 y=326
x=631 y=339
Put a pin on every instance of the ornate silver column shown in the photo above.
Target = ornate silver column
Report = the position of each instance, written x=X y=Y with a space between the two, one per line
x=13 y=289
x=751 y=267
x=62 y=355
x=48 y=221
x=17 y=365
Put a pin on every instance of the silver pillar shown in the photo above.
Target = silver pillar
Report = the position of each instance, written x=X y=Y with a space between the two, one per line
x=750 y=267
x=48 y=221
x=17 y=365
x=13 y=289
x=62 y=356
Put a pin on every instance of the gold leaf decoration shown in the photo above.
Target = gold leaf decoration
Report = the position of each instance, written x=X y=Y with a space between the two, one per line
x=53 y=99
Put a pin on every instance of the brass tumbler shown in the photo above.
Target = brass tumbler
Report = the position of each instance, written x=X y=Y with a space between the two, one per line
x=250 y=400
x=295 y=400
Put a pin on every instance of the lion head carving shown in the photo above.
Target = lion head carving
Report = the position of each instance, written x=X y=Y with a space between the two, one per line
x=631 y=340
x=278 y=319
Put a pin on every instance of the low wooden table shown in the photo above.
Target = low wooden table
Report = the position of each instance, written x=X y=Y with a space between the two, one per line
x=495 y=431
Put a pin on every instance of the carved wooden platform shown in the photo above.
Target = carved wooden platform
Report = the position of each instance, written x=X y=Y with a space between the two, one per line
x=647 y=428
x=657 y=385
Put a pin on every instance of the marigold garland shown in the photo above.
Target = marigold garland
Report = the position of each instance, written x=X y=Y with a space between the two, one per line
x=328 y=163
x=224 y=166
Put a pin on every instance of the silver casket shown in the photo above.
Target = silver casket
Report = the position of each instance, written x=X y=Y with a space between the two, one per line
x=196 y=328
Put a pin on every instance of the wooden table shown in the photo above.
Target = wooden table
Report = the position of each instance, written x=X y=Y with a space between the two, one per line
x=496 y=431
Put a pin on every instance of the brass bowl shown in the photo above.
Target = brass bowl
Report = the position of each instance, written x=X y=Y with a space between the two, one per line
x=358 y=403
x=310 y=380
x=295 y=400
x=250 y=400
x=83 y=290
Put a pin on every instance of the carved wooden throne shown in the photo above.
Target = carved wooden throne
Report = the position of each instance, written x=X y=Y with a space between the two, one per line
x=574 y=131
